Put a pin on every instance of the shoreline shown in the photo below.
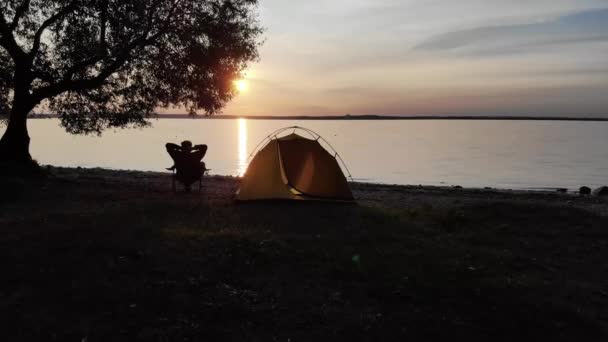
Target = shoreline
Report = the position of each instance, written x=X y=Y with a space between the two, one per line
x=542 y=190
x=386 y=195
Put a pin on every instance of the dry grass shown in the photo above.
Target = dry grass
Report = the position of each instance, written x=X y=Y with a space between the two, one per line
x=115 y=256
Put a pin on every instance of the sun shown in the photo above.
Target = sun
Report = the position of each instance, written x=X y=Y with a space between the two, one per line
x=241 y=85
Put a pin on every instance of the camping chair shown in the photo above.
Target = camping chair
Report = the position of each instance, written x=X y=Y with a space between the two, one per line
x=204 y=172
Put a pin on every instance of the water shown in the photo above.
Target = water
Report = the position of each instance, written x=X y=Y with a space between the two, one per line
x=502 y=154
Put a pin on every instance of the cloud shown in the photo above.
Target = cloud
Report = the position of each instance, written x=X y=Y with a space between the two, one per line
x=589 y=26
x=485 y=57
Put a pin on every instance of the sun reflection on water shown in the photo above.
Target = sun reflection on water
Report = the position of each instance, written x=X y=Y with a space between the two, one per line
x=242 y=162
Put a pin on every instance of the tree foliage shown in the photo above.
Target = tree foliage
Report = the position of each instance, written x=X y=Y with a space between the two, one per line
x=6 y=79
x=111 y=63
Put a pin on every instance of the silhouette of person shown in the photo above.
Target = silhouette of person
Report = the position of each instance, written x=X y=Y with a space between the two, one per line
x=187 y=161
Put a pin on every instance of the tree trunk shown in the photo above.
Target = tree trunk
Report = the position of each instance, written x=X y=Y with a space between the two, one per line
x=15 y=143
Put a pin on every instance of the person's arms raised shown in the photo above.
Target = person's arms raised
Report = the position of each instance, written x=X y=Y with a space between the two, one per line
x=174 y=151
x=199 y=151
x=172 y=147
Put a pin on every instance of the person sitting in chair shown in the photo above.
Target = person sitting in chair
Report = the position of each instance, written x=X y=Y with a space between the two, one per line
x=187 y=162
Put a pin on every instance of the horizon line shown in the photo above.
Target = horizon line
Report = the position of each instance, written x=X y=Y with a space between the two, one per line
x=358 y=117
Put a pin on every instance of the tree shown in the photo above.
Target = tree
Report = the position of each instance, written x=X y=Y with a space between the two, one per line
x=111 y=63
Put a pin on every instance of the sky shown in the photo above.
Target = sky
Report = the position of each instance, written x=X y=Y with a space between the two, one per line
x=430 y=57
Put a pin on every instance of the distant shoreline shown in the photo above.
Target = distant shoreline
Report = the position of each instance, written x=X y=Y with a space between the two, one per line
x=359 y=117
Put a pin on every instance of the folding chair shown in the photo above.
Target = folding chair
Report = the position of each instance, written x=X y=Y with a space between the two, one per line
x=204 y=172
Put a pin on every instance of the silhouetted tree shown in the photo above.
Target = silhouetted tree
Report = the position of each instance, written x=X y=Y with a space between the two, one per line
x=110 y=63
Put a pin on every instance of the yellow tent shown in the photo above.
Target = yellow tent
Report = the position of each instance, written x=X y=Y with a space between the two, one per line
x=295 y=168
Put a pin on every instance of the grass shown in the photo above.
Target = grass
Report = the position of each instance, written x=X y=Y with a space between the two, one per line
x=115 y=256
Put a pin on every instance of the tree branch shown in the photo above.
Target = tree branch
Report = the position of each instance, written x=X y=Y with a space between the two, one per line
x=7 y=40
x=103 y=20
x=25 y=5
x=99 y=56
x=42 y=75
x=67 y=84
x=81 y=65
x=89 y=83
x=50 y=21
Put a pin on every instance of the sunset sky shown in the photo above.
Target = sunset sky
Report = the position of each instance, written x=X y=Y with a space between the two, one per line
x=430 y=57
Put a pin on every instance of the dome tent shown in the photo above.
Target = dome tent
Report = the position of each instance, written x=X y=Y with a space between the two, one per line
x=293 y=167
